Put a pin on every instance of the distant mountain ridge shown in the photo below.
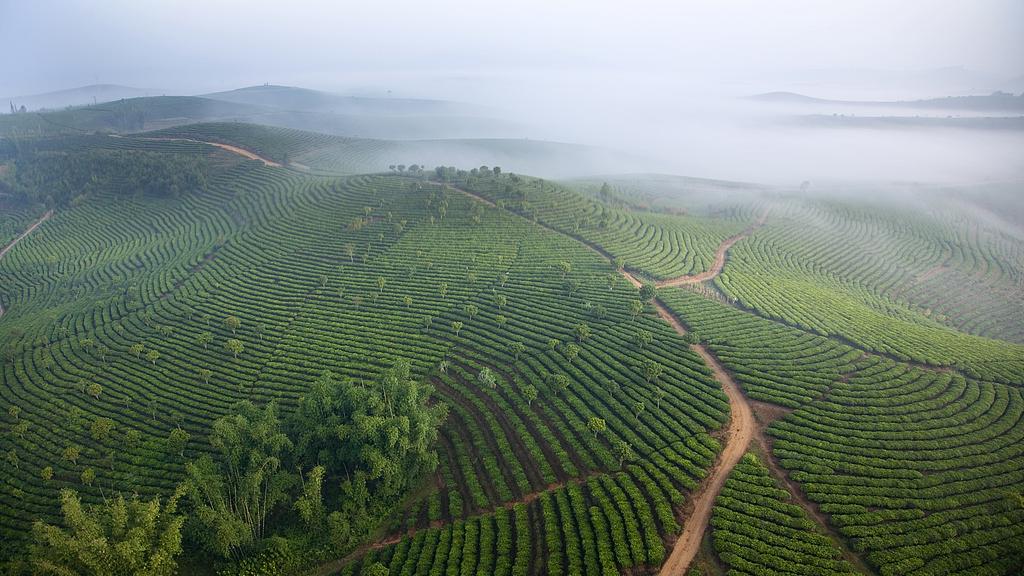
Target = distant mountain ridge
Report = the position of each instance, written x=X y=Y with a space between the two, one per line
x=996 y=101
x=305 y=99
x=80 y=96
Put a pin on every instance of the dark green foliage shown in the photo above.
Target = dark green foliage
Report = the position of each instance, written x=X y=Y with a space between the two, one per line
x=383 y=434
x=121 y=537
x=232 y=497
x=58 y=178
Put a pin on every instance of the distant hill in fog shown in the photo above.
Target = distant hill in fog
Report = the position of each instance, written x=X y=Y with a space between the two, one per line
x=997 y=101
x=80 y=96
x=305 y=99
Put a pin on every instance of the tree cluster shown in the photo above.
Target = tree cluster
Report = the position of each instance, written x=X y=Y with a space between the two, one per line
x=58 y=178
x=319 y=480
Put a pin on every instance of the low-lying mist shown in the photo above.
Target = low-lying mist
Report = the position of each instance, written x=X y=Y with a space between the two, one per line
x=683 y=127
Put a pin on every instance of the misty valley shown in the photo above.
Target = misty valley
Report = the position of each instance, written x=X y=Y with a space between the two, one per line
x=475 y=314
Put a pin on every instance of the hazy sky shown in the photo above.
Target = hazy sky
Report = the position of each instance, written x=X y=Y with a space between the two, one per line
x=658 y=79
x=212 y=44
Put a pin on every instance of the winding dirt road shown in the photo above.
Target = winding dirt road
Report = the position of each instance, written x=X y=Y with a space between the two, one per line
x=741 y=431
x=719 y=261
x=233 y=149
x=742 y=426
x=12 y=243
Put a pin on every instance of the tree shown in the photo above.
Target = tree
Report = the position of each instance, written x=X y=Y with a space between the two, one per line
x=101 y=428
x=204 y=339
x=14 y=412
x=471 y=310
x=648 y=292
x=407 y=300
x=444 y=289
x=46 y=473
x=205 y=374
x=572 y=351
x=88 y=476
x=500 y=300
x=516 y=348
x=624 y=451
x=177 y=440
x=652 y=370
x=71 y=453
x=582 y=331
x=566 y=267
x=381 y=282
x=234 y=346
x=118 y=537
x=132 y=438
x=95 y=390
x=642 y=338
x=500 y=320
x=530 y=393
x=382 y=438
x=486 y=378
x=233 y=323
x=638 y=407
x=234 y=495
x=375 y=569
x=659 y=393
x=620 y=263
x=310 y=505
x=456 y=326
x=153 y=356
x=596 y=425
x=137 y=349
x=553 y=343
x=636 y=308
x=562 y=382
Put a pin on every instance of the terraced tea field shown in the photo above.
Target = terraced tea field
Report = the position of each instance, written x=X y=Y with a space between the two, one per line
x=594 y=425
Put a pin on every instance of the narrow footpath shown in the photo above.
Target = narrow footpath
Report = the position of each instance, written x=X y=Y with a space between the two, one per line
x=12 y=243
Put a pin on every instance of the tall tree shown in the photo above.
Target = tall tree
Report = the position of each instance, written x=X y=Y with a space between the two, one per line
x=386 y=432
x=233 y=496
x=119 y=537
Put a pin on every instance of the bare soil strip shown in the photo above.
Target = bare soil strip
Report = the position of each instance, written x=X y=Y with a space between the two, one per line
x=740 y=431
x=27 y=231
x=233 y=149
x=741 y=427
x=335 y=565
x=719 y=262
x=12 y=243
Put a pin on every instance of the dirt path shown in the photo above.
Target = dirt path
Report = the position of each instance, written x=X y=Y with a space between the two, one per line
x=740 y=431
x=741 y=427
x=719 y=262
x=335 y=565
x=27 y=231
x=233 y=149
x=798 y=497
x=12 y=243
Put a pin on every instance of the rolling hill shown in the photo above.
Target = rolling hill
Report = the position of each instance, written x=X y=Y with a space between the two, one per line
x=469 y=370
